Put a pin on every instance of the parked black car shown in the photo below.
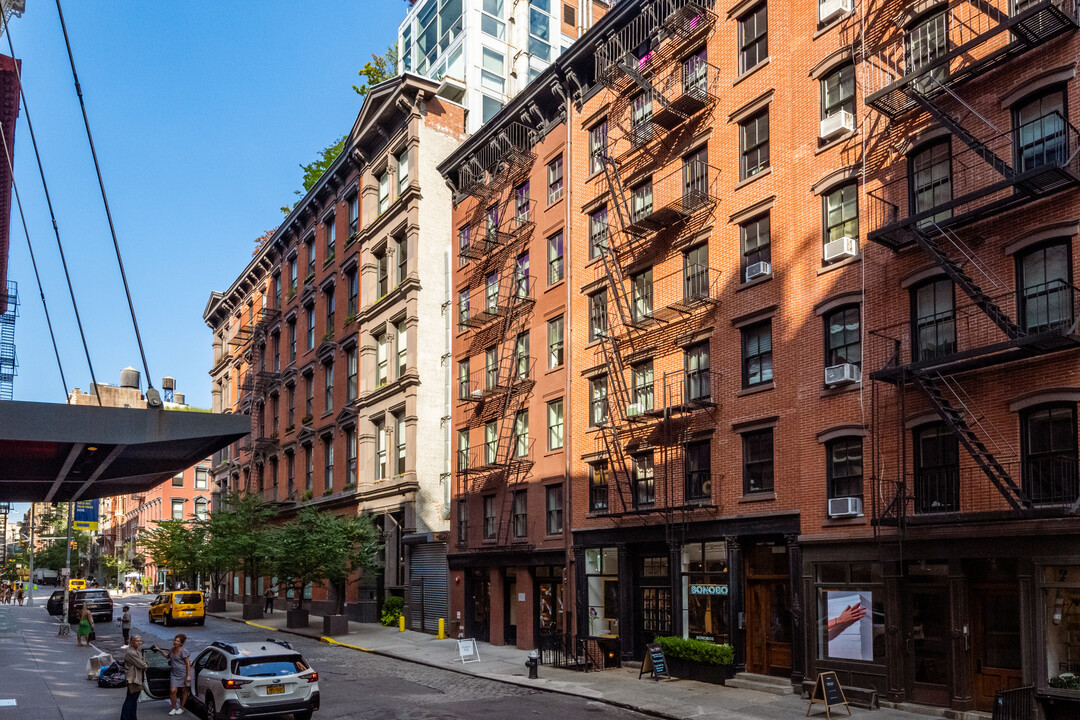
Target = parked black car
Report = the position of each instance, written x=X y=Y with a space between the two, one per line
x=99 y=601
x=55 y=605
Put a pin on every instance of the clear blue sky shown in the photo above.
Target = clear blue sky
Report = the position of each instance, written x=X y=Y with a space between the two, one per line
x=202 y=113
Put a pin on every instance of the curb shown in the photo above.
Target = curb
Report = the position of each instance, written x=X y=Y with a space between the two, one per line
x=505 y=680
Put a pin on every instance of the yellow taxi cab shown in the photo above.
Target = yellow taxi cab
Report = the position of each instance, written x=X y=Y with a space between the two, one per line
x=76 y=584
x=178 y=606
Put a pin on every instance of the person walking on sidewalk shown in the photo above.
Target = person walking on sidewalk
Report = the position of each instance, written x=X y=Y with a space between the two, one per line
x=134 y=665
x=21 y=594
x=179 y=673
x=86 y=625
x=125 y=623
x=269 y=595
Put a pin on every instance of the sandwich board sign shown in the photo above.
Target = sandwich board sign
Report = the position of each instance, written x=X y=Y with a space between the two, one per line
x=468 y=651
x=827 y=692
x=654 y=663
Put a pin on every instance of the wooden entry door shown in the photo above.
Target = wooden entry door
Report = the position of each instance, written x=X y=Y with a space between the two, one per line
x=995 y=643
x=927 y=636
x=768 y=627
x=478 y=606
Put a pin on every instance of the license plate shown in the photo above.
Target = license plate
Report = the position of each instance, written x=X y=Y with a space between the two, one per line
x=275 y=690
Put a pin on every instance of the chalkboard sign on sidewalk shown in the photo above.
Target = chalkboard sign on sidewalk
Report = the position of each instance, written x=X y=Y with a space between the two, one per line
x=827 y=692
x=654 y=663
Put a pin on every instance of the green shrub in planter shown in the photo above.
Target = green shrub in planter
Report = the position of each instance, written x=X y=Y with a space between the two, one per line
x=391 y=610
x=696 y=650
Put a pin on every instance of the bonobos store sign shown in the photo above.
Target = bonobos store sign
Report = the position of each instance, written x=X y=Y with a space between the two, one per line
x=708 y=589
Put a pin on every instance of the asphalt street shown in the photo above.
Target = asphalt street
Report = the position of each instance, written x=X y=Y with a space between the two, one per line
x=45 y=676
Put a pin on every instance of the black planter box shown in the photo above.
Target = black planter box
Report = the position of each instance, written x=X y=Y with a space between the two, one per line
x=335 y=625
x=214 y=605
x=700 y=672
x=296 y=619
x=253 y=611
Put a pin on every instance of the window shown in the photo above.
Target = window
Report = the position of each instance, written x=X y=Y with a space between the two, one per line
x=309 y=317
x=276 y=341
x=291 y=393
x=598 y=404
x=402 y=260
x=384 y=192
x=838 y=91
x=402 y=172
x=309 y=395
x=1040 y=132
x=328 y=464
x=555 y=342
x=329 y=232
x=463 y=246
x=491 y=368
x=555 y=258
x=489 y=107
x=554 y=503
x=463 y=379
x=330 y=307
x=754 y=144
x=641 y=111
x=177 y=509
x=937 y=469
x=843 y=337
x=923 y=45
x=598 y=487
x=695 y=74
x=462 y=522
x=753 y=38
x=598 y=315
x=310 y=245
x=641 y=288
x=352 y=369
x=273 y=428
x=489 y=517
x=844 y=467
x=290 y=479
x=698 y=385
x=463 y=309
x=178 y=480
x=277 y=292
x=757 y=354
x=555 y=425
x=644 y=489
x=1045 y=295
x=491 y=293
x=521 y=356
x=354 y=216
x=756 y=243
x=598 y=233
x=695 y=178
x=201 y=476
x=400 y=437
x=380 y=360
x=696 y=273
x=521 y=434
x=201 y=512
x=382 y=274
x=521 y=275
x=597 y=147
x=841 y=210
x=758 y=461
x=380 y=450
x=521 y=204
x=292 y=276
x=934 y=325
x=292 y=341
x=463 y=450
x=540 y=29
x=554 y=180
x=491 y=442
x=602 y=590
x=521 y=519
x=931 y=182
x=698 y=471
x=328 y=396
x=1048 y=447
x=493 y=71
x=350 y=457
x=401 y=338
x=309 y=468
x=490 y=21
x=643 y=385
x=641 y=198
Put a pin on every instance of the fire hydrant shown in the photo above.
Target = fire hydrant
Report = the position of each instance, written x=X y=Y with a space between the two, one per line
x=532 y=662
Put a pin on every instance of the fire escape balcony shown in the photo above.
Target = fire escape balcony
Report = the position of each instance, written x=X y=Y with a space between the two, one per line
x=682 y=393
x=968 y=339
x=503 y=160
x=508 y=377
x=968 y=39
x=505 y=295
x=665 y=301
x=674 y=199
x=1045 y=159
x=505 y=460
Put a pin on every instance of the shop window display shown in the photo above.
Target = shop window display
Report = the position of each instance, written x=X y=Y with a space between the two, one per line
x=851 y=612
x=602 y=580
x=1061 y=603
x=705 y=583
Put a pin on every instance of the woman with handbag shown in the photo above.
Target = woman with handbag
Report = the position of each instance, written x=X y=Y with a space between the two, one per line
x=134 y=665
x=86 y=626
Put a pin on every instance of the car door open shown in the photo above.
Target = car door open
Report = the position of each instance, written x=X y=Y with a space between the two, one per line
x=156 y=675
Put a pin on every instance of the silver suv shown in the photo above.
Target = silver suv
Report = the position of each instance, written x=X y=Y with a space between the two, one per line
x=247 y=680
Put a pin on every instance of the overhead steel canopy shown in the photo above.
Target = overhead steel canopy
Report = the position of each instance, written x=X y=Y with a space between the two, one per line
x=56 y=453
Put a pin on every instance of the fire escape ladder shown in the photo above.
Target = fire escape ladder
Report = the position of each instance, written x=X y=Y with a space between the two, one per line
x=944 y=399
x=935 y=249
x=919 y=94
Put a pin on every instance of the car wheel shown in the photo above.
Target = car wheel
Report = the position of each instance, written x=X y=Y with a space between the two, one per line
x=202 y=621
x=150 y=617
x=211 y=708
x=306 y=715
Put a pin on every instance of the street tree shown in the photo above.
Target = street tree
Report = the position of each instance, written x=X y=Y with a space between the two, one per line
x=354 y=547
x=218 y=556
x=175 y=546
x=379 y=69
x=248 y=533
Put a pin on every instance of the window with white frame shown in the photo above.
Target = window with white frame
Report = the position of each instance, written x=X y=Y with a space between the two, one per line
x=402 y=172
x=492 y=70
x=555 y=424
x=177 y=509
x=491 y=19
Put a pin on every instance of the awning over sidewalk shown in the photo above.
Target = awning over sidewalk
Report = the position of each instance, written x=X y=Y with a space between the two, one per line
x=55 y=453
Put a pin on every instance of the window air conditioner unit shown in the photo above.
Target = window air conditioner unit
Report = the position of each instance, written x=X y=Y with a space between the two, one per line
x=842 y=374
x=844 y=247
x=634 y=410
x=477 y=394
x=832 y=9
x=758 y=269
x=845 y=507
x=837 y=124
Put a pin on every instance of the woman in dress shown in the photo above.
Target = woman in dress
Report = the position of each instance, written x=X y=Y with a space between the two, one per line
x=179 y=673
x=86 y=625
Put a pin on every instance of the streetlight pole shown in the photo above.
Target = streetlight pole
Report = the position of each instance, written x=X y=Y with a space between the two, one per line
x=67 y=580
x=30 y=590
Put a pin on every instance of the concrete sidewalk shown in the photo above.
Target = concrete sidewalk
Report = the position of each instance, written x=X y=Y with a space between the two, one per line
x=675 y=699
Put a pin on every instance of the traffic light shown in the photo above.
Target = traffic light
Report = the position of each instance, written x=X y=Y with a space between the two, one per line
x=73 y=544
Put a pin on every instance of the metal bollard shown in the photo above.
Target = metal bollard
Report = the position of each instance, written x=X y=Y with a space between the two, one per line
x=532 y=662
x=401 y=623
x=442 y=630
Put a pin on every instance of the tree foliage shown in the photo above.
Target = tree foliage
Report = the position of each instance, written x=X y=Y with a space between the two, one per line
x=379 y=69
x=245 y=528
x=175 y=545
x=260 y=242
x=314 y=170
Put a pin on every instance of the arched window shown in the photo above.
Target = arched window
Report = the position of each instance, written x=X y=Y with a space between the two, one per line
x=200 y=508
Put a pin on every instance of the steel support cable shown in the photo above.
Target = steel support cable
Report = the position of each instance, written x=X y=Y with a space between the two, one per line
x=108 y=213
x=33 y=261
x=52 y=214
